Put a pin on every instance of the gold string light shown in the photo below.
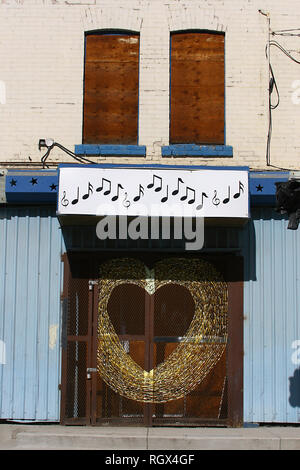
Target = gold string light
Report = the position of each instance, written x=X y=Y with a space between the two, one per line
x=199 y=349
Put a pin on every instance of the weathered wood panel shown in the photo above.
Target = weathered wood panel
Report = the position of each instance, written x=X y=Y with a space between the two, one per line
x=111 y=89
x=197 y=88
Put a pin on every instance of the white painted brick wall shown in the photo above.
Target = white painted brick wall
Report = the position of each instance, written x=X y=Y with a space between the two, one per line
x=41 y=74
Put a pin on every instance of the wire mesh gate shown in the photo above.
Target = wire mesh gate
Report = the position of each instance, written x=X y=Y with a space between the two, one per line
x=122 y=333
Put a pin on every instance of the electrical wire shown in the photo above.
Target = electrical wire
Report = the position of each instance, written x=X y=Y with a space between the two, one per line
x=286 y=32
x=276 y=44
x=272 y=85
x=44 y=157
x=69 y=152
x=72 y=154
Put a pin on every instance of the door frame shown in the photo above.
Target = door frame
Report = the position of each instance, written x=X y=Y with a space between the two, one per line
x=64 y=342
x=235 y=354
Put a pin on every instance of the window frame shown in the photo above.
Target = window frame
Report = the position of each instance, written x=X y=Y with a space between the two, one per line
x=110 y=148
x=193 y=148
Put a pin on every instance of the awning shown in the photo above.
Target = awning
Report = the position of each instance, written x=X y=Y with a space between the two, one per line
x=209 y=192
x=34 y=186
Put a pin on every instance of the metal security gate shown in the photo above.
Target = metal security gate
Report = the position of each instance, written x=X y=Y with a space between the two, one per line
x=152 y=340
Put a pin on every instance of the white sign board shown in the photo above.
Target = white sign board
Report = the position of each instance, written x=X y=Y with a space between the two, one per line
x=151 y=192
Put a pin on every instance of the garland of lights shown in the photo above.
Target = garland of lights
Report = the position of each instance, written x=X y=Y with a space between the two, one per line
x=197 y=353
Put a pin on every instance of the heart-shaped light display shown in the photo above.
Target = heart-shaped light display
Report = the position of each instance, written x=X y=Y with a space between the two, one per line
x=200 y=348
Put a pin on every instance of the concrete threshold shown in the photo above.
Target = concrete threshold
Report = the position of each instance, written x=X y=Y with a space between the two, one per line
x=56 y=437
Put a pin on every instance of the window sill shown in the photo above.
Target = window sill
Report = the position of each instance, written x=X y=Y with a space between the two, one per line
x=192 y=150
x=111 y=150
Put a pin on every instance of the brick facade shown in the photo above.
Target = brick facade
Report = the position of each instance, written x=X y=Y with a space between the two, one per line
x=41 y=75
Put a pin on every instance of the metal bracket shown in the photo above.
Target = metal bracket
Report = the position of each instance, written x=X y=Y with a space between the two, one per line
x=3 y=174
x=92 y=283
x=89 y=370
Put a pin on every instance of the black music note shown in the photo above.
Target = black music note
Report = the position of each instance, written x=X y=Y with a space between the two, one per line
x=64 y=201
x=126 y=202
x=141 y=193
x=104 y=180
x=216 y=201
x=151 y=185
x=241 y=190
x=227 y=199
x=114 y=198
x=166 y=197
x=201 y=205
x=89 y=191
x=75 y=201
x=176 y=191
x=192 y=200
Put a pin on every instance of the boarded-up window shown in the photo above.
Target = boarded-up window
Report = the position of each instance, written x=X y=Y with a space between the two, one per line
x=111 y=89
x=197 y=88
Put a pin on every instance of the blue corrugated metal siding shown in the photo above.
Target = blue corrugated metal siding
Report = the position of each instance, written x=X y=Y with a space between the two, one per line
x=31 y=283
x=271 y=310
x=30 y=287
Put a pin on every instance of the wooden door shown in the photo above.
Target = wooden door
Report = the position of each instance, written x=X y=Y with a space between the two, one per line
x=77 y=334
x=150 y=360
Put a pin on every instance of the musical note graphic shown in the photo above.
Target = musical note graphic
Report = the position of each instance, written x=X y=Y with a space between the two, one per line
x=141 y=193
x=241 y=190
x=216 y=201
x=151 y=185
x=192 y=199
x=176 y=191
x=75 y=201
x=126 y=202
x=201 y=205
x=108 y=183
x=64 y=201
x=227 y=199
x=166 y=197
x=89 y=191
x=116 y=197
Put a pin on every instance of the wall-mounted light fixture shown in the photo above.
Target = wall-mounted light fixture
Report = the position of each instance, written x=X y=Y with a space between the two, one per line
x=46 y=143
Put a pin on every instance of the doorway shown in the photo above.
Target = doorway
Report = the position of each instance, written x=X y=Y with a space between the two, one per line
x=152 y=339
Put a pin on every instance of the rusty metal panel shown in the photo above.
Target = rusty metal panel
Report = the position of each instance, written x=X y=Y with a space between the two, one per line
x=111 y=89
x=197 y=88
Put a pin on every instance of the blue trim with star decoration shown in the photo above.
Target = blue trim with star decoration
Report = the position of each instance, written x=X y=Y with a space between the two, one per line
x=41 y=186
x=30 y=186
x=262 y=186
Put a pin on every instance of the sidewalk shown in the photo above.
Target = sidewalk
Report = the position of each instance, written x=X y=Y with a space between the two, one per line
x=56 y=437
